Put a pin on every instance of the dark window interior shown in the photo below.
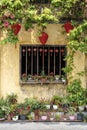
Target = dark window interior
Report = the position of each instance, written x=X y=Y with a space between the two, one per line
x=34 y=59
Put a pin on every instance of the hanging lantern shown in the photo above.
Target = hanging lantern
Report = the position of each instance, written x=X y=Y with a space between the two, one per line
x=16 y=28
x=43 y=38
x=51 y=51
x=56 y=51
x=45 y=51
x=40 y=51
x=35 y=51
x=29 y=50
x=62 y=50
x=23 y=50
x=68 y=27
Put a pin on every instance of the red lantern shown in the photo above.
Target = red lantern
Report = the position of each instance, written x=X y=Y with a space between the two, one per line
x=68 y=27
x=16 y=28
x=43 y=38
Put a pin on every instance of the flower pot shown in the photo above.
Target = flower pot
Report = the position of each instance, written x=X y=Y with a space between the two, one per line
x=43 y=38
x=55 y=107
x=9 y=117
x=16 y=28
x=36 y=114
x=80 y=116
x=51 y=118
x=44 y=118
x=47 y=106
x=72 y=117
x=68 y=27
x=22 y=117
x=15 y=118
x=81 y=108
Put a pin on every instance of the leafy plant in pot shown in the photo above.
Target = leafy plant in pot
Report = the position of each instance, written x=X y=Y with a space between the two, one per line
x=72 y=111
x=23 y=110
x=36 y=106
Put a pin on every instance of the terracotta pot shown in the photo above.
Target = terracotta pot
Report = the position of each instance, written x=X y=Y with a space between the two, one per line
x=9 y=117
x=16 y=28
x=68 y=27
x=43 y=38
x=36 y=114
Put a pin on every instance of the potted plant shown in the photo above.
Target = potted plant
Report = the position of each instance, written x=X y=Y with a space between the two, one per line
x=43 y=77
x=56 y=101
x=45 y=103
x=29 y=76
x=35 y=107
x=24 y=77
x=57 y=77
x=23 y=110
x=63 y=78
x=72 y=111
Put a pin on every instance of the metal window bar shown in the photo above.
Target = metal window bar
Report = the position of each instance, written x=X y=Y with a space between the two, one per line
x=54 y=60
x=48 y=60
x=37 y=60
x=32 y=60
x=60 y=61
x=26 y=62
x=32 y=65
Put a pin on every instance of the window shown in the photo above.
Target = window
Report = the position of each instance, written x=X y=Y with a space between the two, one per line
x=48 y=58
x=40 y=1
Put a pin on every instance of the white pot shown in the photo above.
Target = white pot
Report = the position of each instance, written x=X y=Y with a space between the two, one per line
x=51 y=118
x=47 y=106
x=81 y=108
x=55 y=107
x=63 y=80
x=15 y=118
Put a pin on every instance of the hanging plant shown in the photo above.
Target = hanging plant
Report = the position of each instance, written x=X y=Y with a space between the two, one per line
x=30 y=17
x=10 y=38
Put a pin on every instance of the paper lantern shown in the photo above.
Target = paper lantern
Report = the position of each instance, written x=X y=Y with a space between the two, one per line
x=68 y=27
x=16 y=28
x=43 y=38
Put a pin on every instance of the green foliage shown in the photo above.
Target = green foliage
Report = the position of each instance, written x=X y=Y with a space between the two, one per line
x=11 y=98
x=57 y=99
x=46 y=17
x=76 y=94
x=78 y=38
x=70 y=8
x=2 y=113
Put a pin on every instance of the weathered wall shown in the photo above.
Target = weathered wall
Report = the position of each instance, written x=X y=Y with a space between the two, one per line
x=10 y=62
x=79 y=62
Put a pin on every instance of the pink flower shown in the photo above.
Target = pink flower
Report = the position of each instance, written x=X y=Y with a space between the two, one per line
x=6 y=24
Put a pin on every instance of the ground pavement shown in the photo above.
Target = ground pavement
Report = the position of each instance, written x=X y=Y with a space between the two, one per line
x=43 y=125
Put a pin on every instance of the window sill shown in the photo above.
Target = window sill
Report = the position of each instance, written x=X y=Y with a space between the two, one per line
x=42 y=82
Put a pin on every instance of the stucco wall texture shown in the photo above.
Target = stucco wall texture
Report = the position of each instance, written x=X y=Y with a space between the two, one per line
x=10 y=65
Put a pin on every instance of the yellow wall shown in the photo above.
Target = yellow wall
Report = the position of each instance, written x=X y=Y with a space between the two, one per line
x=10 y=62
